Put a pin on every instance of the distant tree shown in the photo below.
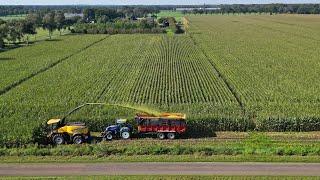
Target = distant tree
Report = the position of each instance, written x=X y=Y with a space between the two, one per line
x=49 y=23
x=33 y=20
x=103 y=19
x=89 y=15
x=3 y=33
x=154 y=17
x=28 y=28
x=59 y=20
x=14 y=31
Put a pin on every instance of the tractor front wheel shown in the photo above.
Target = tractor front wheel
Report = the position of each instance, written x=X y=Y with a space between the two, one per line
x=77 y=140
x=108 y=136
x=58 y=139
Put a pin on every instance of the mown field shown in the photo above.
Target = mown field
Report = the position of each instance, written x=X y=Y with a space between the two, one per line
x=227 y=73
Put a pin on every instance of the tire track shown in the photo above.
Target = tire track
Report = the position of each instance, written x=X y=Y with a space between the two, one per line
x=17 y=83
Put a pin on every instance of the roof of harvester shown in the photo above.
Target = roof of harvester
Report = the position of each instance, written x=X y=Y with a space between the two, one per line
x=52 y=121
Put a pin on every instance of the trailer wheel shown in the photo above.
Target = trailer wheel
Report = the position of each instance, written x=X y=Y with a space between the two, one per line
x=171 y=135
x=58 y=139
x=108 y=136
x=78 y=140
x=161 y=135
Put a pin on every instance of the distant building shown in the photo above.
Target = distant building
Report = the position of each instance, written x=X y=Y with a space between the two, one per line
x=190 y=9
x=72 y=15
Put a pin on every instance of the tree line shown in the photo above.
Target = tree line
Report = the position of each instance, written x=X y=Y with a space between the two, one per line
x=197 y=9
x=15 y=30
x=21 y=10
x=258 y=8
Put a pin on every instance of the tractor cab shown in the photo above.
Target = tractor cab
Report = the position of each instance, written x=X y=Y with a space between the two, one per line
x=122 y=123
x=121 y=128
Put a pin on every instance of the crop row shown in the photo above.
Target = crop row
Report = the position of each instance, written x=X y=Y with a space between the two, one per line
x=160 y=72
x=228 y=59
x=170 y=71
x=272 y=66
x=24 y=62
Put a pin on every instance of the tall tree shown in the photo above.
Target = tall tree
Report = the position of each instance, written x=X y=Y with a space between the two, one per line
x=59 y=20
x=49 y=23
x=14 y=31
x=3 y=33
x=35 y=20
x=89 y=15
x=28 y=28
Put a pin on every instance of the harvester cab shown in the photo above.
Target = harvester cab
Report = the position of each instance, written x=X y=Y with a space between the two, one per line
x=121 y=129
x=61 y=132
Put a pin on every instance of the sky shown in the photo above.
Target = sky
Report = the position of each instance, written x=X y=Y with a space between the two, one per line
x=146 y=2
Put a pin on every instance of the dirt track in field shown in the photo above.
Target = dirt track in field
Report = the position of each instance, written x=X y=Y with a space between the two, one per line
x=53 y=169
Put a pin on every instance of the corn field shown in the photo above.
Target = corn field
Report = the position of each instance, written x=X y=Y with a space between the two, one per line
x=226 y=73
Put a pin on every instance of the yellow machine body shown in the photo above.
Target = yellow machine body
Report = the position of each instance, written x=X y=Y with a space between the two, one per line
x=71 y=129
x=74 y=129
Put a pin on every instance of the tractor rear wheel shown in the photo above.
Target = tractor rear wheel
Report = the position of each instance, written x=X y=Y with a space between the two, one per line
x=125 y=135
x=161 y=135
x=78 y=139
x=58 y=139
x=108 y=136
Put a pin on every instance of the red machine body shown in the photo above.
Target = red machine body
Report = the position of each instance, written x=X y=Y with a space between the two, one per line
x=165 y=125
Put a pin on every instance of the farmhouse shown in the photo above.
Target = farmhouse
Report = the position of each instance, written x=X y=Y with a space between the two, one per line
x=72 y=15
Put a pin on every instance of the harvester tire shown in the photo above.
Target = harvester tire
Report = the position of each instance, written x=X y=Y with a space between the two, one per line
x=161 y=135
x=78 y=139
x=108 y=136
x=58 y=139
x=171 y=135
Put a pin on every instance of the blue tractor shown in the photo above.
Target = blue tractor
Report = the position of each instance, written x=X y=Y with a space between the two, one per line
x=122 y=129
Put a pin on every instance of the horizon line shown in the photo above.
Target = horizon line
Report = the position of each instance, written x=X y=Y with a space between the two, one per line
x=147 y=4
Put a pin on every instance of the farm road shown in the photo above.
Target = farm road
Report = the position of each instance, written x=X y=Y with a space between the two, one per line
x=192 y=168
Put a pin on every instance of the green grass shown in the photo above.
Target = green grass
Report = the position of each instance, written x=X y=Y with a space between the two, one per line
x=254 y=147
x=158 y=158
x=12 y=17
x=168 y=13
x=42 y=34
